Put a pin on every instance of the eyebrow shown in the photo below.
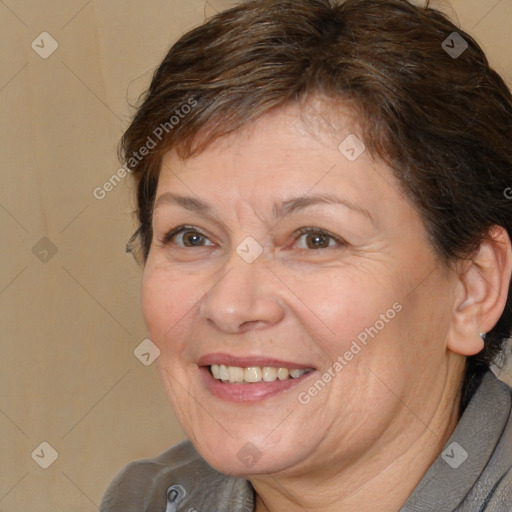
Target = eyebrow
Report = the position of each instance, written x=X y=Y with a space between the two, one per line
x=299 y=203
x=279 y=210
x=187 y=202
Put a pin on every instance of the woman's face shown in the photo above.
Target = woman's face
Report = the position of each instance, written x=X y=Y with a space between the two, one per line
x=292 y=253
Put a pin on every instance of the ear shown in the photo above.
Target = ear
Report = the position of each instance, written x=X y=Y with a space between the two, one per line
x=481 y=294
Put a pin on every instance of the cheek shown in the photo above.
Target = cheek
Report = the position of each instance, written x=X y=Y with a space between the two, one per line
x=341 y=306
x=167 y=305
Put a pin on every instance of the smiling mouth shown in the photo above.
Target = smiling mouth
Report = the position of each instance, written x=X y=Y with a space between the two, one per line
x=254 y=374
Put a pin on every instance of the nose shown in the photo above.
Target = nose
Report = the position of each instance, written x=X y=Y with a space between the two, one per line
x=245 y=298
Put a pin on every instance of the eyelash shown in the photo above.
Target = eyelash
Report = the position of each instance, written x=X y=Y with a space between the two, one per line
x=167 y=238
x=317 y=231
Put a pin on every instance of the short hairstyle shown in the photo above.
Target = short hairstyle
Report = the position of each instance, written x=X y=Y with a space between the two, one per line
x=426 y=102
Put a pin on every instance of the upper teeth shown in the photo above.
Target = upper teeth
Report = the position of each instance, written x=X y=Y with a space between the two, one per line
x=253 y=373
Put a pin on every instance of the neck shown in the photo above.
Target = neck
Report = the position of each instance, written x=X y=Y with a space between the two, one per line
x=382 y=480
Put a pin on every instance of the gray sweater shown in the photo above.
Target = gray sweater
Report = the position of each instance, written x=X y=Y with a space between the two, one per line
x=473 y=473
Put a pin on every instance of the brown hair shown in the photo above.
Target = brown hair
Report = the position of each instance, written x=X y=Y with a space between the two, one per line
x=442 y=121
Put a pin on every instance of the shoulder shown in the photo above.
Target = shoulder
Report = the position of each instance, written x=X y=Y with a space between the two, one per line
x=492 y=491
x=132 y=488
x=501 y=497
x=143 y=484
x=473 y=471
x=499 y=470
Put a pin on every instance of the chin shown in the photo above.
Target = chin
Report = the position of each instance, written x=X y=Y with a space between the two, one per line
x=247 y=458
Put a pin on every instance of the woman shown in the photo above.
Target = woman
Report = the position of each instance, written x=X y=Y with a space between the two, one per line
x=325 y=236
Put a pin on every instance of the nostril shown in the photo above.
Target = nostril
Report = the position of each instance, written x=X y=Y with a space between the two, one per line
x=249 y=325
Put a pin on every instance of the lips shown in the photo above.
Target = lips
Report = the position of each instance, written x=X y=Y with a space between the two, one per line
x=245 y=379
x=249 y=361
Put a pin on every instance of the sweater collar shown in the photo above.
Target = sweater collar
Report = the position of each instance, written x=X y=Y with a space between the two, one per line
x=467 y=452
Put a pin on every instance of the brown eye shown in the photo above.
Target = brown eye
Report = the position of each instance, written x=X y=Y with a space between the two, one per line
x=193 y=239
x=186 y=237
x=315 y=239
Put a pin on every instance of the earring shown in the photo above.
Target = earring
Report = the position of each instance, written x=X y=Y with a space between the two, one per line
x=482 y=335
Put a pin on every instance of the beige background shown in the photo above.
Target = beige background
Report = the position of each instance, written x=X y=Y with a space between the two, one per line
x=68 y=375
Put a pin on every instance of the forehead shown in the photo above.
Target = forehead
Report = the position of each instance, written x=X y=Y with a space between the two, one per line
x=290 y=151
